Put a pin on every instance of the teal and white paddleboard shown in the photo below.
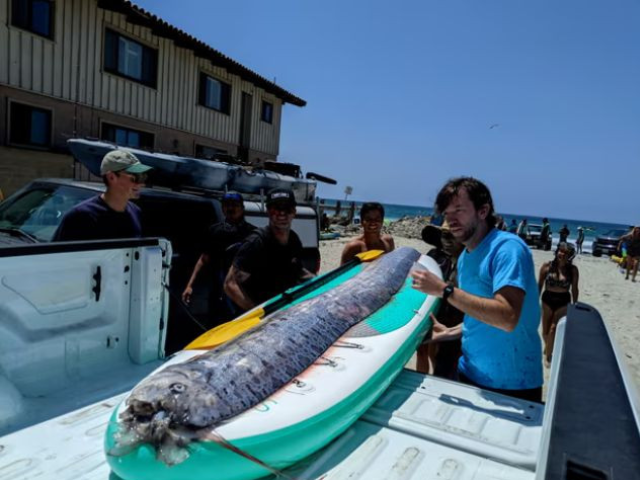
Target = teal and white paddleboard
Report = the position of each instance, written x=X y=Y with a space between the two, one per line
x=309 y=412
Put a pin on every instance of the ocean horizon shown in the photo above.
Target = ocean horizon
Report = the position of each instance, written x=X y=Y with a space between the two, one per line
x=592 y=228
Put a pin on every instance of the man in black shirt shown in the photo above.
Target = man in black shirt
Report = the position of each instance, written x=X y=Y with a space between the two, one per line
x=110 y=214
x=224 y=240
x=441 y=359
x=269 y=262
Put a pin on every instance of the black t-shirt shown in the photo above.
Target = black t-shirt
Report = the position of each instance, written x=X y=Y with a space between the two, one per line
x=564 y=233
x=544 y=234
x=448 y=315
x=93 y=219
x=273 y=267
x=224 y=240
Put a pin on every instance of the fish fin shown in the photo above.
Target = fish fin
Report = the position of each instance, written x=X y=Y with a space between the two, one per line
x=213 y=436
x=122 y=450
x=171 y=454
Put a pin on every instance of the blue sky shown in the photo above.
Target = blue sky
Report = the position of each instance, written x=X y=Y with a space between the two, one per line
x=401 y=95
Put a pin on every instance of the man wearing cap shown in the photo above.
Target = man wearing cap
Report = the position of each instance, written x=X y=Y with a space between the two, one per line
x=224 y=240
x=269 y=262
x=108 y=215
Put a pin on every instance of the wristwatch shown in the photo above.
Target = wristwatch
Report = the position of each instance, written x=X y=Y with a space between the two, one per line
x=448 y=290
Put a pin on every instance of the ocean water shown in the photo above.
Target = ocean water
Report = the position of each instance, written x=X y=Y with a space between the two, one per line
x=592 y=228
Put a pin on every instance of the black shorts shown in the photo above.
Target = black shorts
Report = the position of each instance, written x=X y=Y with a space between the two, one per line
x=530 y=394
x=556 y=300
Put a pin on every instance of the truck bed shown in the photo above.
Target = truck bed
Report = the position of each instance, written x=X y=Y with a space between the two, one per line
x=422 y=427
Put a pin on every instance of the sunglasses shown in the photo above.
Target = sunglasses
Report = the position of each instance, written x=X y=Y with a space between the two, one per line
x=134 y=177
x=282 y=208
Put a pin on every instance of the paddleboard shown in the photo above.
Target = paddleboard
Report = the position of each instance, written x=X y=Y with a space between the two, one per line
x=310 y=411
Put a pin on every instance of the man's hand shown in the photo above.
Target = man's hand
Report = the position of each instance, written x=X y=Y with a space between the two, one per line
x=233 y=288
x=427 y=282
x=186 y=295
x=441 y=333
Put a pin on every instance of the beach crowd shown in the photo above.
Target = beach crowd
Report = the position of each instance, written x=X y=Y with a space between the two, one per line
x=486 y=332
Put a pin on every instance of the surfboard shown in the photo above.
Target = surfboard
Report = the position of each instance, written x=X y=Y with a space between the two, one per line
x=310 y=411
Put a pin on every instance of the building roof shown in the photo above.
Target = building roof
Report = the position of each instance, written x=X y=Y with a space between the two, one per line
x=159 y=27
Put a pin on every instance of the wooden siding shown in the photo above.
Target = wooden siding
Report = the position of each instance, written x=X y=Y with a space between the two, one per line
x=69 y=67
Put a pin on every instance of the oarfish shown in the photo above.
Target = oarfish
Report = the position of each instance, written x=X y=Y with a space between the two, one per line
x=174 y=406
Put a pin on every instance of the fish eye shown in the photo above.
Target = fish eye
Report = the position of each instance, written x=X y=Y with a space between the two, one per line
x=177 y=388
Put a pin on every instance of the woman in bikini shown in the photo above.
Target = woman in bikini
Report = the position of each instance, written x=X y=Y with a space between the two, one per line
x=633 y=251
x=559 y=280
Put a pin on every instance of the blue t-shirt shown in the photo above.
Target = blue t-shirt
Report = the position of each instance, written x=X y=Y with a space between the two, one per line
x=490 y=356
x=93 y=219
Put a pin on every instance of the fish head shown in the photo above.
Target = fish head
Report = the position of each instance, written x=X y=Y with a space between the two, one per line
x=175 y=397
x=166 y=410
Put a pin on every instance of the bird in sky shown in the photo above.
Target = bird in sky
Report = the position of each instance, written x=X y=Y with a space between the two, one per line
x=495 y=125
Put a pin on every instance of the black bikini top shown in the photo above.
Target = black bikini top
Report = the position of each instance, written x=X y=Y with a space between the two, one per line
x=553 y=280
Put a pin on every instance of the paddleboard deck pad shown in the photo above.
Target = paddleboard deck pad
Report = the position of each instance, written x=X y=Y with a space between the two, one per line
x=307 y=412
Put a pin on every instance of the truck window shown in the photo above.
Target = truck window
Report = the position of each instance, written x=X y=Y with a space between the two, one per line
x=38 y=212
x=183 y=221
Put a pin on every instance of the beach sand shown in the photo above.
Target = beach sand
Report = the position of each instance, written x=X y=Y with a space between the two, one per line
x=601 y=286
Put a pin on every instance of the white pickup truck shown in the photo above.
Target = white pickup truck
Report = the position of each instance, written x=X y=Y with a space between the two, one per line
x=80 y=323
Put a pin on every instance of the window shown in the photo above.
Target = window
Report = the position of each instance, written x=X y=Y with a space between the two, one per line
x=130 y=59
x=209 y=153
x=39 y=211
x=267 y=112
x=33 y=15
x=29 y=126
x=127 y=137
x=214 y=93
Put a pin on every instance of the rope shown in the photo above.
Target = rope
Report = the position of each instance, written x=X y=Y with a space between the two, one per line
x=184 y=307
x=220 y=440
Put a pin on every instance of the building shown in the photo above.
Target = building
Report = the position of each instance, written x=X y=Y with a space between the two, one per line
x=108 y=69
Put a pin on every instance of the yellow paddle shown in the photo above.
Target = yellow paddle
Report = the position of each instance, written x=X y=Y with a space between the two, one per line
x=227 y=331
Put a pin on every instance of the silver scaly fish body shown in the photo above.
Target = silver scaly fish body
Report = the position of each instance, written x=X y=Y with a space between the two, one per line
x=168 y=407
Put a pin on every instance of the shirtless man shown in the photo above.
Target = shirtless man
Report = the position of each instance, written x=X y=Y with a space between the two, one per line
x=371 y=217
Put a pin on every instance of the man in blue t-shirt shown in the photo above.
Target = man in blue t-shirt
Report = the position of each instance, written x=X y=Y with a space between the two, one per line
x=108 y=215
x=497 y=291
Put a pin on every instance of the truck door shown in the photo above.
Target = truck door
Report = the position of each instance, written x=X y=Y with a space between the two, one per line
x=78 y=320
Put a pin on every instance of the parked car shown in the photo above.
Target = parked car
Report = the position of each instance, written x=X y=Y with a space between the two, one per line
x=32 y=215
x=608 y=242
x=533 y=237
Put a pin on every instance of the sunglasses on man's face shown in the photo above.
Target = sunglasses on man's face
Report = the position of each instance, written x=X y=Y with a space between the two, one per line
x=282 y=208
x=134 y=177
